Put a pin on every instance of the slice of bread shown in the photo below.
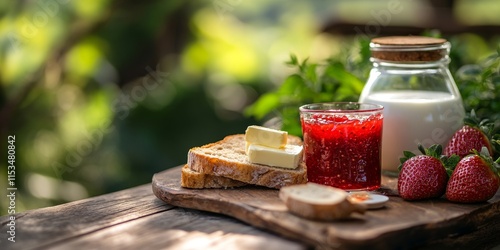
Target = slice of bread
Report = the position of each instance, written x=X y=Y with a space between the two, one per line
x=319 y=202
x=193 y=179
x=227 y=158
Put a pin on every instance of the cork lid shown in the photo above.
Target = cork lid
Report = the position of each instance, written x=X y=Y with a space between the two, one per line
x=409 y=48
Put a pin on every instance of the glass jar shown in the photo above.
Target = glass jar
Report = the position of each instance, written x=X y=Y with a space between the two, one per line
x=422 y=104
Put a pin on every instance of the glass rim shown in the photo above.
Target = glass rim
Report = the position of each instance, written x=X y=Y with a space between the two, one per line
x=370 y=107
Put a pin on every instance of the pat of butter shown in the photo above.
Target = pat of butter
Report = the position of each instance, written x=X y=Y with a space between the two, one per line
x=288 y=157
x=266 y=137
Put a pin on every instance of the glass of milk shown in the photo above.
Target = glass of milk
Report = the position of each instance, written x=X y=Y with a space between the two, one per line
x=422 y=105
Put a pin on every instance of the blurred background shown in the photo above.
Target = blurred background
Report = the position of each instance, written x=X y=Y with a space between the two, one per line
x=100 y=95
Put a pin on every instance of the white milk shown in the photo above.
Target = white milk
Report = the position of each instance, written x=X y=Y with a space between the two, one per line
x=413 y=117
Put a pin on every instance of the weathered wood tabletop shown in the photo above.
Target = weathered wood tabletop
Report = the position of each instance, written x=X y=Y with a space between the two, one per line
x=136 y=219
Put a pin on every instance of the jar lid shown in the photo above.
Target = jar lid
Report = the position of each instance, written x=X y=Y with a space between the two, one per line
x=409 y=48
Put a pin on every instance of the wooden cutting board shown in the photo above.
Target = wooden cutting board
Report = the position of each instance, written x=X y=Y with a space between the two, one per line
x=400 y=224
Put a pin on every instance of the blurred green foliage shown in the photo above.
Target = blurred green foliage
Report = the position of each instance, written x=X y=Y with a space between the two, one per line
x=313 y=83
x=103 y=94
x=479 y=85
x=341 y=78
x=96 y=96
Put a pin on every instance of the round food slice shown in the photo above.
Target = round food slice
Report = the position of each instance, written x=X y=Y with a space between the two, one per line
x=318 y=202
x=370 y=200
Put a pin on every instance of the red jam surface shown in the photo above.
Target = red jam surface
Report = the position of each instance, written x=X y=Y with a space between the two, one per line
x=342 y=152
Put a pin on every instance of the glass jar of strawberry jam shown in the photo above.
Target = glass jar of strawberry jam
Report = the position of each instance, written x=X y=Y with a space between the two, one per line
x=422 y=104
x=342 y=144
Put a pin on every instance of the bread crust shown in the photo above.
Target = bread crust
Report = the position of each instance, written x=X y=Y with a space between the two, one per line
x=193 y=179
x=227 y=158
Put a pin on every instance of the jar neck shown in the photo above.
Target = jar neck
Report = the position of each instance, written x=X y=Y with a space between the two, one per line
x=443 y=63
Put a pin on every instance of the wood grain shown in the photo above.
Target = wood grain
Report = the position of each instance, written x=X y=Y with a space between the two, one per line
x=181 y=229
x=49 y=226
x=134 y=219
x=400 y=225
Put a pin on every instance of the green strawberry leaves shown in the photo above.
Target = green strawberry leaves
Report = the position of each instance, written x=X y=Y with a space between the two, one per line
x=485 y=156
x=495 y=143
x=450 y=163
x=436 y=150
x=407 y=156
x=471 y=119
x=486 y=127
x=496 y=165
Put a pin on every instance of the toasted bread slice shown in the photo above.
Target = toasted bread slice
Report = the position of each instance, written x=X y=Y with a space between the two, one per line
x=227 y=158
x=193 y=179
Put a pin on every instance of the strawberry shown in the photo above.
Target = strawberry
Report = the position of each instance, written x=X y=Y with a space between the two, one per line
x=424 y=176
x=475 y=178
x=475 y=134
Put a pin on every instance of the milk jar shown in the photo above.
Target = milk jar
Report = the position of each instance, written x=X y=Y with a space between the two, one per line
x=422 y=105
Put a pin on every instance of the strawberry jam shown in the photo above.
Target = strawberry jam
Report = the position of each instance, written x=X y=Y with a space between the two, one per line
x=342 y=148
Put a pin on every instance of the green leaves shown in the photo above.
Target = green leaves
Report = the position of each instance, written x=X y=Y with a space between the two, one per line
x=312 y=83
x=407 y=156
x=341 y=78
x=495 y=143
x=348 y=83
x=266 y=103
x=485 y=155
x=479 y=85
x=435 y=151
x=294 y=86
x=486 y=127
x=450 y=163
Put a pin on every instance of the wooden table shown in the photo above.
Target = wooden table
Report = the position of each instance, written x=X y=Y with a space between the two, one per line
x=135 y=219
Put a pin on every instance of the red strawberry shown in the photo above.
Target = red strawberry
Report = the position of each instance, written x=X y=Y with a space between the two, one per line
x=475 y=179
x=424 y=176
x=474 y=134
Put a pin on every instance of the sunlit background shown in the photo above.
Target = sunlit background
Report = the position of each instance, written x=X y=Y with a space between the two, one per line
x=100 y=95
